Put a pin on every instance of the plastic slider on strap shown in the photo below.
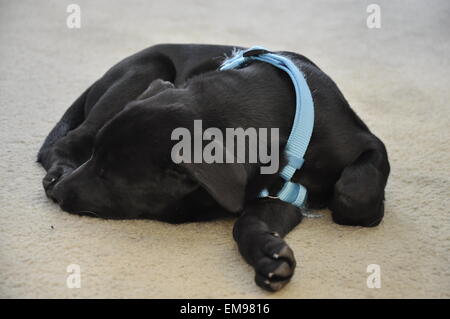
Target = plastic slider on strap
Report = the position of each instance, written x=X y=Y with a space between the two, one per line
x=294 y=161
x=293 y=193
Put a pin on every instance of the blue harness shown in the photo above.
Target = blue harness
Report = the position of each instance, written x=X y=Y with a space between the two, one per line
x=302 y=126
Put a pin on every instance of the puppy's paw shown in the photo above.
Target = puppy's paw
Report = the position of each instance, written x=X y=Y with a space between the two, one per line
x=275 y=267
x=54 y=174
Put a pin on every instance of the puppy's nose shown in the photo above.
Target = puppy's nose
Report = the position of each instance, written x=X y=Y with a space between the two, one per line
x=49 y=181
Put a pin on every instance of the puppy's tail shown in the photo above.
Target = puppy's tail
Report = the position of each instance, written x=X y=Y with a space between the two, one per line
x=71 y=119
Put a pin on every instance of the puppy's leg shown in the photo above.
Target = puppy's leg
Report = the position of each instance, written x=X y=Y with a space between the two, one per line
x=358 y=198
x=259 y=232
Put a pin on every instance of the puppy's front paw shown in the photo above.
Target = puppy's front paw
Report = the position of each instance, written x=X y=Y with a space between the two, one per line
x=275 y=267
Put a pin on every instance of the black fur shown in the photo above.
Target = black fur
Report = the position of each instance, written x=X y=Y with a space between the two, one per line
x=109 y=155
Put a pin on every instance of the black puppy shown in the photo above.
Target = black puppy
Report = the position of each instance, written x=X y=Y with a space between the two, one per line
x=109 y=155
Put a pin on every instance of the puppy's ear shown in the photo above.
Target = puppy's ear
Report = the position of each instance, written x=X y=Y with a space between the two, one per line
x=157 y=86
x=225 y=182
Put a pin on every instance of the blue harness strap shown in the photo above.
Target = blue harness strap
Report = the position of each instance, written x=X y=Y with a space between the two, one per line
x=302 y=126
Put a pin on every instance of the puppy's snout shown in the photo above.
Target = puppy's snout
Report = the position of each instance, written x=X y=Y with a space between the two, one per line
x=65 y=197
x=58 y=193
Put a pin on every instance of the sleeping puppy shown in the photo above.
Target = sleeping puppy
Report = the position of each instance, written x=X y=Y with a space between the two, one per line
x=110 y=154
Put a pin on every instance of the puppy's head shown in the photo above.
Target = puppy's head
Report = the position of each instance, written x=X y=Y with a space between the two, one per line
x=131 y=173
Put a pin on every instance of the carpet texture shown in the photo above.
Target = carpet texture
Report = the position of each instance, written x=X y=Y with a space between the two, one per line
x=396 y=78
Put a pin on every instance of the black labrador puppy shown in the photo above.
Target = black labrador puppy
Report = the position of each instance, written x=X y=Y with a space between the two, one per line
x=110 y=154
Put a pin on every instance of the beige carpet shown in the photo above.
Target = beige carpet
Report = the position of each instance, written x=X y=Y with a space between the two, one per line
x=396 y=78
